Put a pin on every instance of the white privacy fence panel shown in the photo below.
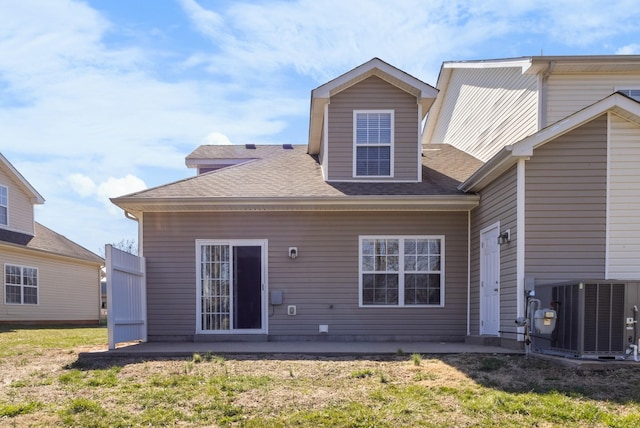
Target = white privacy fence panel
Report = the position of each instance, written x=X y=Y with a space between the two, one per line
x=126 y=297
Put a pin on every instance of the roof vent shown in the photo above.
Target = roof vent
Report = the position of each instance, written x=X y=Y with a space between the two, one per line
x=250 y=146
x=287 y=146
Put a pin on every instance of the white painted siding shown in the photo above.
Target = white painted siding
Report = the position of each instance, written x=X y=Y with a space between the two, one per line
x=624 y=200
x=487 y=109
x=67 y=291
x=20 y=206
x=568 y=93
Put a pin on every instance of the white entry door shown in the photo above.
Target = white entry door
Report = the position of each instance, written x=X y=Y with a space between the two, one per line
x=490 y=281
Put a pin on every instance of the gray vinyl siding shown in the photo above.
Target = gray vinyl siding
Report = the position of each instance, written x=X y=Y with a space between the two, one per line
x=373 y=93
x=322 y=282
x=566 y=206
x=497 y=204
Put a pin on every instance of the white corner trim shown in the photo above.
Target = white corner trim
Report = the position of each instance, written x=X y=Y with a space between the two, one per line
x=520 y=241
x=607 y=232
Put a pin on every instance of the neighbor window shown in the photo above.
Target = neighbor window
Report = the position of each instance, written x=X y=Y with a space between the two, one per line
x=402 y=271
x=4 y=205
x=373 y=143
x=631 y=93
x=20 y=285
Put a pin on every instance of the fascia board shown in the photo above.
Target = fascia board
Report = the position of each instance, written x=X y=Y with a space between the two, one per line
x=509 y=155
x=325 y=91
x=316 y=117
x=613 y=102
x=523 y=63
x=493 y=168
x=434 y=112
x=365 y=203
x=36 y=197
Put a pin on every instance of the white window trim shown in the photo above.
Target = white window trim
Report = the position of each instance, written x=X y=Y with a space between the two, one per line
x=391 y=145
x=37 y=287
x=265 y=284
x=6 y=206
x=401 y=270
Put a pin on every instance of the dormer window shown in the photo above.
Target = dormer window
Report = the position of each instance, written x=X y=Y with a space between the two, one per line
x=4 y=205
x=373 y=132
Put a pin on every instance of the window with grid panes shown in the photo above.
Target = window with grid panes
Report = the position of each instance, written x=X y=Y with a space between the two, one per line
x=373 y=140
x=401 y=271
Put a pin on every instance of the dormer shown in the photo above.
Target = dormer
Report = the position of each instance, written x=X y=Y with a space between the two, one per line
x=365 y=124
x=17 y=198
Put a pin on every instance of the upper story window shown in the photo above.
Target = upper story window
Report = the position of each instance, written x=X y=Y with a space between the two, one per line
x=373 y=143
x=20 y=285
x=632 y=93
x=4 y=205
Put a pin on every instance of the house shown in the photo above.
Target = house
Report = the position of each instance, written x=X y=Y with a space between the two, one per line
x=559 y=189
x=373 y=231
x=342 y=239
x=47 y=277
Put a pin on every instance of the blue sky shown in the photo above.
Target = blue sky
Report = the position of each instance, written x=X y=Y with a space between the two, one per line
x=102 y=98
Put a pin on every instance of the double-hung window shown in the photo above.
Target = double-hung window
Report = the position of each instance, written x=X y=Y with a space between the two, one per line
x=4 y=205
x=402 y=271
x=373 y=143
x=20 y=285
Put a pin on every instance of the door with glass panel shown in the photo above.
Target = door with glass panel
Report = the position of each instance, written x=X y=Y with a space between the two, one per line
x=231 y=287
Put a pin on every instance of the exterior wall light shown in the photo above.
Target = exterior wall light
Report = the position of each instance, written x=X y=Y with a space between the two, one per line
x=504 y=237
x=293 y=252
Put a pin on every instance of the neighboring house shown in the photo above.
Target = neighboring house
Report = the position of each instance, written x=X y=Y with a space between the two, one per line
x=373 y=232
x=47 y=277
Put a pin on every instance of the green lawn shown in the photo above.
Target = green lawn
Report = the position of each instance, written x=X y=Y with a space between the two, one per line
x=44 y=384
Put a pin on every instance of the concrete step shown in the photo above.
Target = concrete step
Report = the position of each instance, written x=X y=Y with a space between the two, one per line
x=483 y=340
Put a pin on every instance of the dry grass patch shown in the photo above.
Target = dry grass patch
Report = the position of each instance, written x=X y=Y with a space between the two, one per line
x=54 y=388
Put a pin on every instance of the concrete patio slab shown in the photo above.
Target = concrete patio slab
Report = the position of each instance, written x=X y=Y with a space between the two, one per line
x=185 y=349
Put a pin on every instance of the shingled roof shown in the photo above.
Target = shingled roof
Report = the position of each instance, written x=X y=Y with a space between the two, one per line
x=51 y=242
x=274 y=172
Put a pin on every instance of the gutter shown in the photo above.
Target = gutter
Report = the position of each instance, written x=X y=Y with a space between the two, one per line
x=498 y=164
x=366 y=203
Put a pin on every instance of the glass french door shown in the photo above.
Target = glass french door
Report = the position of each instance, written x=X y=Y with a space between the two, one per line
x=231 y=287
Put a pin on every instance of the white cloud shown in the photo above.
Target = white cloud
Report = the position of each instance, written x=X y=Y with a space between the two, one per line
x=632 y=49
x=82 y=185
x=71 y=100
x=217 y=139
x=113 y=187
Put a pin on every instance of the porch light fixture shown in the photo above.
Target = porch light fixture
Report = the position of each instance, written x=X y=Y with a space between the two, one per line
x=293 y=252
x=504 y=237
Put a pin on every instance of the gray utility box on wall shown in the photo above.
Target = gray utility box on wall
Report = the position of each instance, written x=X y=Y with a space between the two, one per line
x=595 y=319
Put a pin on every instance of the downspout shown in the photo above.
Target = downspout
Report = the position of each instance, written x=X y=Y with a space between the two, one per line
x=325 y=142
x=419 y=142
x=542 y=99
x=520 y=247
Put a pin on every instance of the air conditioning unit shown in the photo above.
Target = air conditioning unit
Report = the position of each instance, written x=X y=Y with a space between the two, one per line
x=595 y=319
